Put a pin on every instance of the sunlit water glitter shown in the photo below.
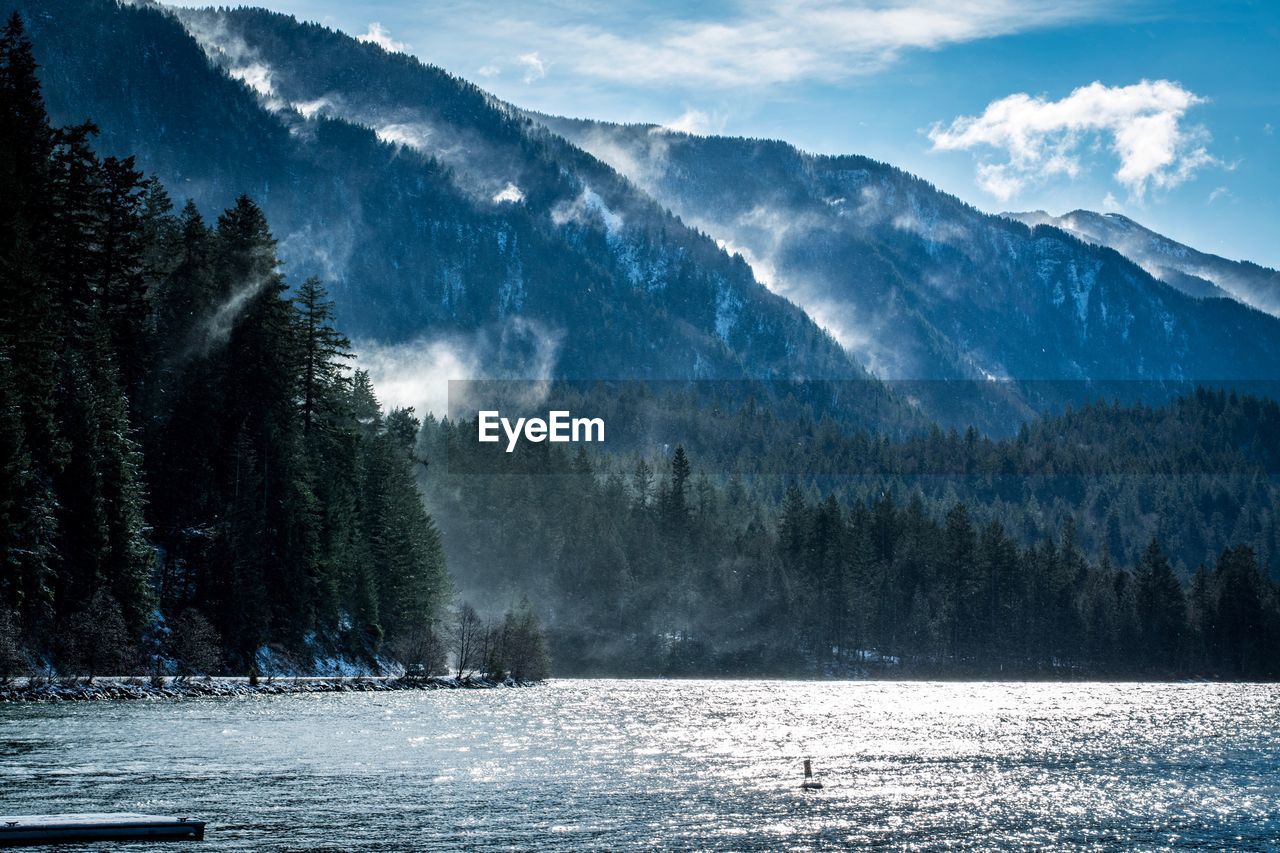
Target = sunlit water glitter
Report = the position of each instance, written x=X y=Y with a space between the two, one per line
x=686 y=764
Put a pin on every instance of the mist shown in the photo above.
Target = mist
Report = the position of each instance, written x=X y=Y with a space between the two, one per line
x=418 y=374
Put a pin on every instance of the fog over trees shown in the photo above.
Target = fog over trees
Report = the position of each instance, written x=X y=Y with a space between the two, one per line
x=654 y=567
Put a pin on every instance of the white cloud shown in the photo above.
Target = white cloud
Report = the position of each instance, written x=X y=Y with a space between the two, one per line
x=585 y=209
x=770 y=42
x=1111 y=204
x=1142 y=124
x=1219 y=192
x=489 y=70
x=534 y=67
x=696 y=122
x=762 y=268
x=418 y=373
x=381 y=36
x=1268 y=129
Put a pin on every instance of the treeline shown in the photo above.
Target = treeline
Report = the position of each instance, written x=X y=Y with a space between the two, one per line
x=1200 y=472
x=948 y=596
x=191 y=475
x=657 y=568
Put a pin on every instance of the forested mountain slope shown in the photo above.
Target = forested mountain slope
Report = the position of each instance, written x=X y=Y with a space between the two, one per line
x=922 y=285
x=569 y=270
x=440 y=214
x=1196 y=273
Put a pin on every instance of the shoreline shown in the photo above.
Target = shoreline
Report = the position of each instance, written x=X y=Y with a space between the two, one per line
x=137 y=688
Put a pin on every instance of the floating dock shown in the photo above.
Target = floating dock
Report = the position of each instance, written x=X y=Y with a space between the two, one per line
x=19 y=830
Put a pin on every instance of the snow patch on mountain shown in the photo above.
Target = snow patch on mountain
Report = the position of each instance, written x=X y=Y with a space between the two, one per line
x=728 y=307
x=587 y=209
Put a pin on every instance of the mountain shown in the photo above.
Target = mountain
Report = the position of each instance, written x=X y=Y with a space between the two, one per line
x=461 y=235
x=921 y=285
x=1195 y=273
x=437 y=214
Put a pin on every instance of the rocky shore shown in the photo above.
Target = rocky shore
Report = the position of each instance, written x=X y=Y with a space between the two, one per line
x=102 y=689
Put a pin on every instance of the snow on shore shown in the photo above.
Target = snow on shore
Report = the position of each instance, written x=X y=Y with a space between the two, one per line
x=68 y=690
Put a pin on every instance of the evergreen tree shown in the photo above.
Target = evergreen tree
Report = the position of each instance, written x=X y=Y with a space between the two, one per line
x=324 y=351
x=677 y=503
x=1161 y=609
x=1242 y=629
x=30 y=339
x=642 y=484
x=122 y=284
x=959 y=562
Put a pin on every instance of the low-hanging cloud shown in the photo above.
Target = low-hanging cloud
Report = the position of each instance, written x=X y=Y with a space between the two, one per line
x=309 y=109
x=510 y=194
x=588 y=208
x=230 y=52
x=381 y=36
x=255 y=75
x=413 y=134
x=696 y=123
x=418 y=373
x=1142 y=124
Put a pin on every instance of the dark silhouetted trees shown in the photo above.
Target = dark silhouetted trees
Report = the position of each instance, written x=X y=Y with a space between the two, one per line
x=183 y=442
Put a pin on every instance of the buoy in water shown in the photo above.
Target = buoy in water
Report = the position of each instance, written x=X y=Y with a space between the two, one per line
x=810 y=783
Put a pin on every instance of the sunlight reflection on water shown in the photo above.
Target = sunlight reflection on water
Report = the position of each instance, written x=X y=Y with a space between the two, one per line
x=694 y=764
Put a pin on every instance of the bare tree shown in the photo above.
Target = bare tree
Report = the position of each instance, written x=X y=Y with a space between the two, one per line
x=497 y=641
x=420 y=647
x=98 y=640
x=12 y=661
x=196 y=645
x=525 y=649
x=468 y=634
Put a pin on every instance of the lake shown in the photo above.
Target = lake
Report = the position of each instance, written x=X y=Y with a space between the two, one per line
x=687 y=764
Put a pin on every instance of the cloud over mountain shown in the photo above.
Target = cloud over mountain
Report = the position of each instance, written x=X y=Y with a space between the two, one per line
x=381 y=36
x=1142 y=124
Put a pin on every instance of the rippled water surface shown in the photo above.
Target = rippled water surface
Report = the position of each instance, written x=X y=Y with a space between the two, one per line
x=617 y=764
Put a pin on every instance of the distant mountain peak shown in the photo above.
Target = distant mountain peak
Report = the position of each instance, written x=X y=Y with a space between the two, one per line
x=1198 y=274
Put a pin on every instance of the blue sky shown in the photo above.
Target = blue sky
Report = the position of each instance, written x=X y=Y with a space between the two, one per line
x=1164 y=111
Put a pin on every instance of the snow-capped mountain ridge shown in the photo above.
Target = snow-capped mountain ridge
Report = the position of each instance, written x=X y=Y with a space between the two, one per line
x=1199 y=274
